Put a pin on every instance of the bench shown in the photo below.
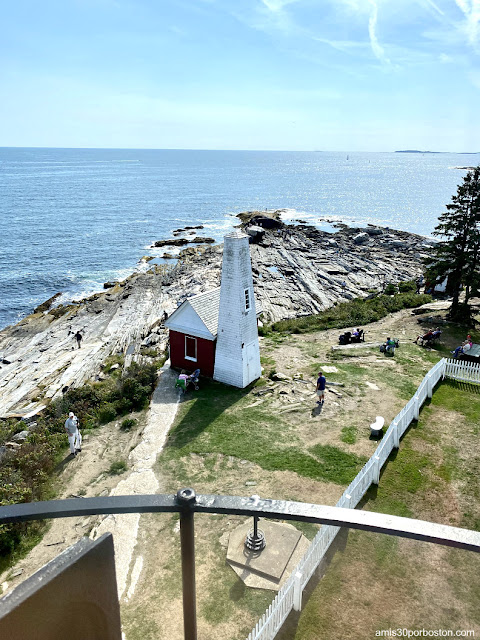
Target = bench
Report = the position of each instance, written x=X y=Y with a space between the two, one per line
x=472 y=355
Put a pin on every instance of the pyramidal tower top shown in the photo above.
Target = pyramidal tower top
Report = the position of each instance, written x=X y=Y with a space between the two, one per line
x=237 y=358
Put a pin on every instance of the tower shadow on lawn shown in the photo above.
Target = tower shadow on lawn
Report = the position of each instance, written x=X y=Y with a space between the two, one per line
x=208 y=403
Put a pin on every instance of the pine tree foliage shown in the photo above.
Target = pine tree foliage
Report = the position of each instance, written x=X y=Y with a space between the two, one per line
x=457 y=255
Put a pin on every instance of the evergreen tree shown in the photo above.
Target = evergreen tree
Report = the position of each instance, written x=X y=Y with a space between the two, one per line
x=457 y=256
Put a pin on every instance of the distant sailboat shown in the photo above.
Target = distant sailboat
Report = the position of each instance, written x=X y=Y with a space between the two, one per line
x=347 y=157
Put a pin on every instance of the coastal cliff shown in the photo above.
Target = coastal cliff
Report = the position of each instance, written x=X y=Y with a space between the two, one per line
x=298 y=270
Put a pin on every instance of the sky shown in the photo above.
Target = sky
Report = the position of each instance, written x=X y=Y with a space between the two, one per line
x=333 y=75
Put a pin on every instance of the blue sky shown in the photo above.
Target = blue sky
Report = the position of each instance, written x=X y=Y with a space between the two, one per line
x=349 y=75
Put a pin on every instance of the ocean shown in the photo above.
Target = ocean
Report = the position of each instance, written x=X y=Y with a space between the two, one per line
x=74 y=218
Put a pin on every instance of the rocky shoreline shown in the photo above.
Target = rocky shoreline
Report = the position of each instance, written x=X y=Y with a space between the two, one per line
x=298 y=270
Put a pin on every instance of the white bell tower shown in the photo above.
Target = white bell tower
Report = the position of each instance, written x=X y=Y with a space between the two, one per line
x=237 y=356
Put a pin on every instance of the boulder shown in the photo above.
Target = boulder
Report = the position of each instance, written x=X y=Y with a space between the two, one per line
x=47 y=304
x=199 y=240
x=374 y=231
x=267 y=223
x=280 y=376
x=173 y=242
x=20 y=437
x=255 y=231
x=361 y=238
x=109 y=284
x=13 y=445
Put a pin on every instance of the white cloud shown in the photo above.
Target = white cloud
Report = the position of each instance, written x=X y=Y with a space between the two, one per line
x=277 y=5
x=372 y=25
x=435 y=7
x=471 y=10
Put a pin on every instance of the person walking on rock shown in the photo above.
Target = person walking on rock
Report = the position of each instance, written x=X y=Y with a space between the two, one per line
x=73 y=433
x=78 y=338
x=321 y=383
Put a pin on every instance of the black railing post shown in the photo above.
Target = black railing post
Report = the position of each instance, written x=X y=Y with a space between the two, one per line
x=186 y=499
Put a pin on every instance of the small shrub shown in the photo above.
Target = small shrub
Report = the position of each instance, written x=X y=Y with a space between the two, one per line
x=406 y=286
x=137 y=393
x=107 y=413
x=128 y=424
x=117 y=467
x=123 y=406
x=390 y=289
x=149 y=352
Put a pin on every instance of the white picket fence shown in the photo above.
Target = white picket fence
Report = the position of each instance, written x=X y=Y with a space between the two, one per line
x=290 y=595
x=462 y=371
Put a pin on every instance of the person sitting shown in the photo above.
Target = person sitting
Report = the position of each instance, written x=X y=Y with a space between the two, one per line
x=463 y=348
x=431 y=336
x=435 y=336
x=182 y=381
x=390 y=345
x=425 y=336
x=358 y=335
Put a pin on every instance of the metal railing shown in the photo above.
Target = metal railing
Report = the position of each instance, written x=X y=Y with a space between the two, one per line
x=187 y=504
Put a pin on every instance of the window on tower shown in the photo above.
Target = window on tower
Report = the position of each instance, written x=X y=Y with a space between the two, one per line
x=247 y=299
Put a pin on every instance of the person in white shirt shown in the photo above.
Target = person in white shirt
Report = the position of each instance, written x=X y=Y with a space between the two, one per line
x=73 y=433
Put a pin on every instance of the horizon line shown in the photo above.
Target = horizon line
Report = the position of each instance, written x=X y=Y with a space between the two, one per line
x=416 y=151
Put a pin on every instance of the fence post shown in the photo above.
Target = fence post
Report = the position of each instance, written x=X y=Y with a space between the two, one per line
x=396 y=437
x=297 y=591
x=417 y=407
x=376 y=470
x=429 y=386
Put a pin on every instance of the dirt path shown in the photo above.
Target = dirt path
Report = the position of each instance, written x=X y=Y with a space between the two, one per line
x=87 y=476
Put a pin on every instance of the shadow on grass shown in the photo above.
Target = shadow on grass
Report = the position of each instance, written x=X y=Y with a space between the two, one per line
x=288 y=630
x=209 y=402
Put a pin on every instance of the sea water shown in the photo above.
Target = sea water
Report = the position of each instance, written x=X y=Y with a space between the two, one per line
x=72 y=219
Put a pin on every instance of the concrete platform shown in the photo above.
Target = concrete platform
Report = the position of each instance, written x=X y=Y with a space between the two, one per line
x=271 y=567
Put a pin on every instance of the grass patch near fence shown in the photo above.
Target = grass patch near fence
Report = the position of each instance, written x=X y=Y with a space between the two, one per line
x=433 y=476
x=462 y=398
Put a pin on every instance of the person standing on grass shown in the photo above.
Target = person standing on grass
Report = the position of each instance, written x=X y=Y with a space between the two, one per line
x=73 y=433
x=321 y=383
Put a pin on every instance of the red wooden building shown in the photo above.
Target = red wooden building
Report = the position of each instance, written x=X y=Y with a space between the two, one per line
x=193 y=333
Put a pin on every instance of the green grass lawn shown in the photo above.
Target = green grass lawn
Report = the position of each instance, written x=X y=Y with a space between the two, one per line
x=387 y=582
x=220 y=419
